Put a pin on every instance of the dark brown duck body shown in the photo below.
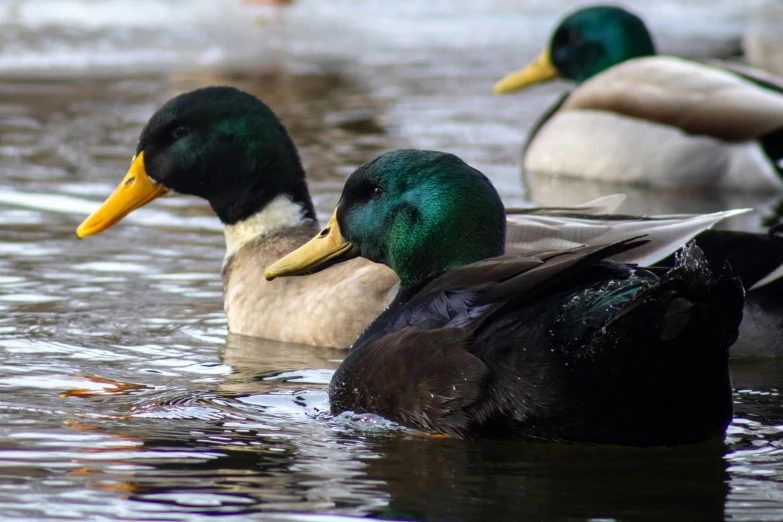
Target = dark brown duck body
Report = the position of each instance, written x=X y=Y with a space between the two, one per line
x=757 y=260
x=562 y=345
x=487 y=355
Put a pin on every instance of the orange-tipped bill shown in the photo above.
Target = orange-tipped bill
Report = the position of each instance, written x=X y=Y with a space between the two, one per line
x=135 y=190
x=325 y=249
x=541 y=70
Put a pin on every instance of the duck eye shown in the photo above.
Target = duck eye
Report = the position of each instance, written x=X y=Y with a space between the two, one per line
x=573 y=35
x=568 y=36
x=180 y=131
x=376 y=193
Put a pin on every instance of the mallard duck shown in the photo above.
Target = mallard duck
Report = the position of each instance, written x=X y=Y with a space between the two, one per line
x=558 y=344
x=229 y=148
x=652 y=120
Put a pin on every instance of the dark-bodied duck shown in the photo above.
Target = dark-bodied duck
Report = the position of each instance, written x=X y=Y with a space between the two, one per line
x=559 y=345
x=651 y=120
x=756 y=259
x=229 y=148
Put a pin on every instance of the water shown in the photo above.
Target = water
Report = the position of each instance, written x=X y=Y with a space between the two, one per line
x=121 y=394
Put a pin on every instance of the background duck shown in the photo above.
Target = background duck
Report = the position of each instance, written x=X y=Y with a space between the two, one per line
x=229 y=148
x=652 y=120
x=560 y=345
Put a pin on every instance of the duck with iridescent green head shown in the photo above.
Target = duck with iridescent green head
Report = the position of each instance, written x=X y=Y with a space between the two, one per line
x=556 y=344
x=640 y=118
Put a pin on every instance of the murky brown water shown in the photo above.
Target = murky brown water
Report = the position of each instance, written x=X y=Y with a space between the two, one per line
x=169 y=418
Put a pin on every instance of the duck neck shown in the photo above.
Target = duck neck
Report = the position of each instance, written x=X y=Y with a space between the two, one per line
x=276 y=197
x=380 y=326
x=282 y=212
x=251 y=173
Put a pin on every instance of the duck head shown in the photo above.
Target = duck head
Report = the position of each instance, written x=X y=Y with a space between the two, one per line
x=421 y=213
x=585 y=43
x=217 y=143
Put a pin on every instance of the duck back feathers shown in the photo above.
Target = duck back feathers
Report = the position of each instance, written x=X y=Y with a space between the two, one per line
x=709 y=127
x=696 y=98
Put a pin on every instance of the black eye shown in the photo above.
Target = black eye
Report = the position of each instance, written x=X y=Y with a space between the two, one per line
x=376 y=192
x=568 y=36
x=180 y=131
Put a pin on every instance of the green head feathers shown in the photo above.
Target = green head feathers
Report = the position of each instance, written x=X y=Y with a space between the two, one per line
x=593 y=39
x=421 y=213
x=225 y=146
x=587 y=42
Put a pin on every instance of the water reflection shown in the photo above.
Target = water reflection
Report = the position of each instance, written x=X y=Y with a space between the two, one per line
x=261 y=439
x=254 y=434
x=550 y=481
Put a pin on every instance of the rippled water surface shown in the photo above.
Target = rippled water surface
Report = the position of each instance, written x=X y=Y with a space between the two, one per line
x=121 y=394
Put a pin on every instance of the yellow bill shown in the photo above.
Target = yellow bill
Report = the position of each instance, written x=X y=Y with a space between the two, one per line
x=541 y=70
x=135 y=190
x=327 y=247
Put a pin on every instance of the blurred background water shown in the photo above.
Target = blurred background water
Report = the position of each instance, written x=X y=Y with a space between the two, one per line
x=121 y=394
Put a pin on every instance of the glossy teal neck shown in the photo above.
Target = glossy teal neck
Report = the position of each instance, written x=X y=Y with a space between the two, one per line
x=445 y=238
